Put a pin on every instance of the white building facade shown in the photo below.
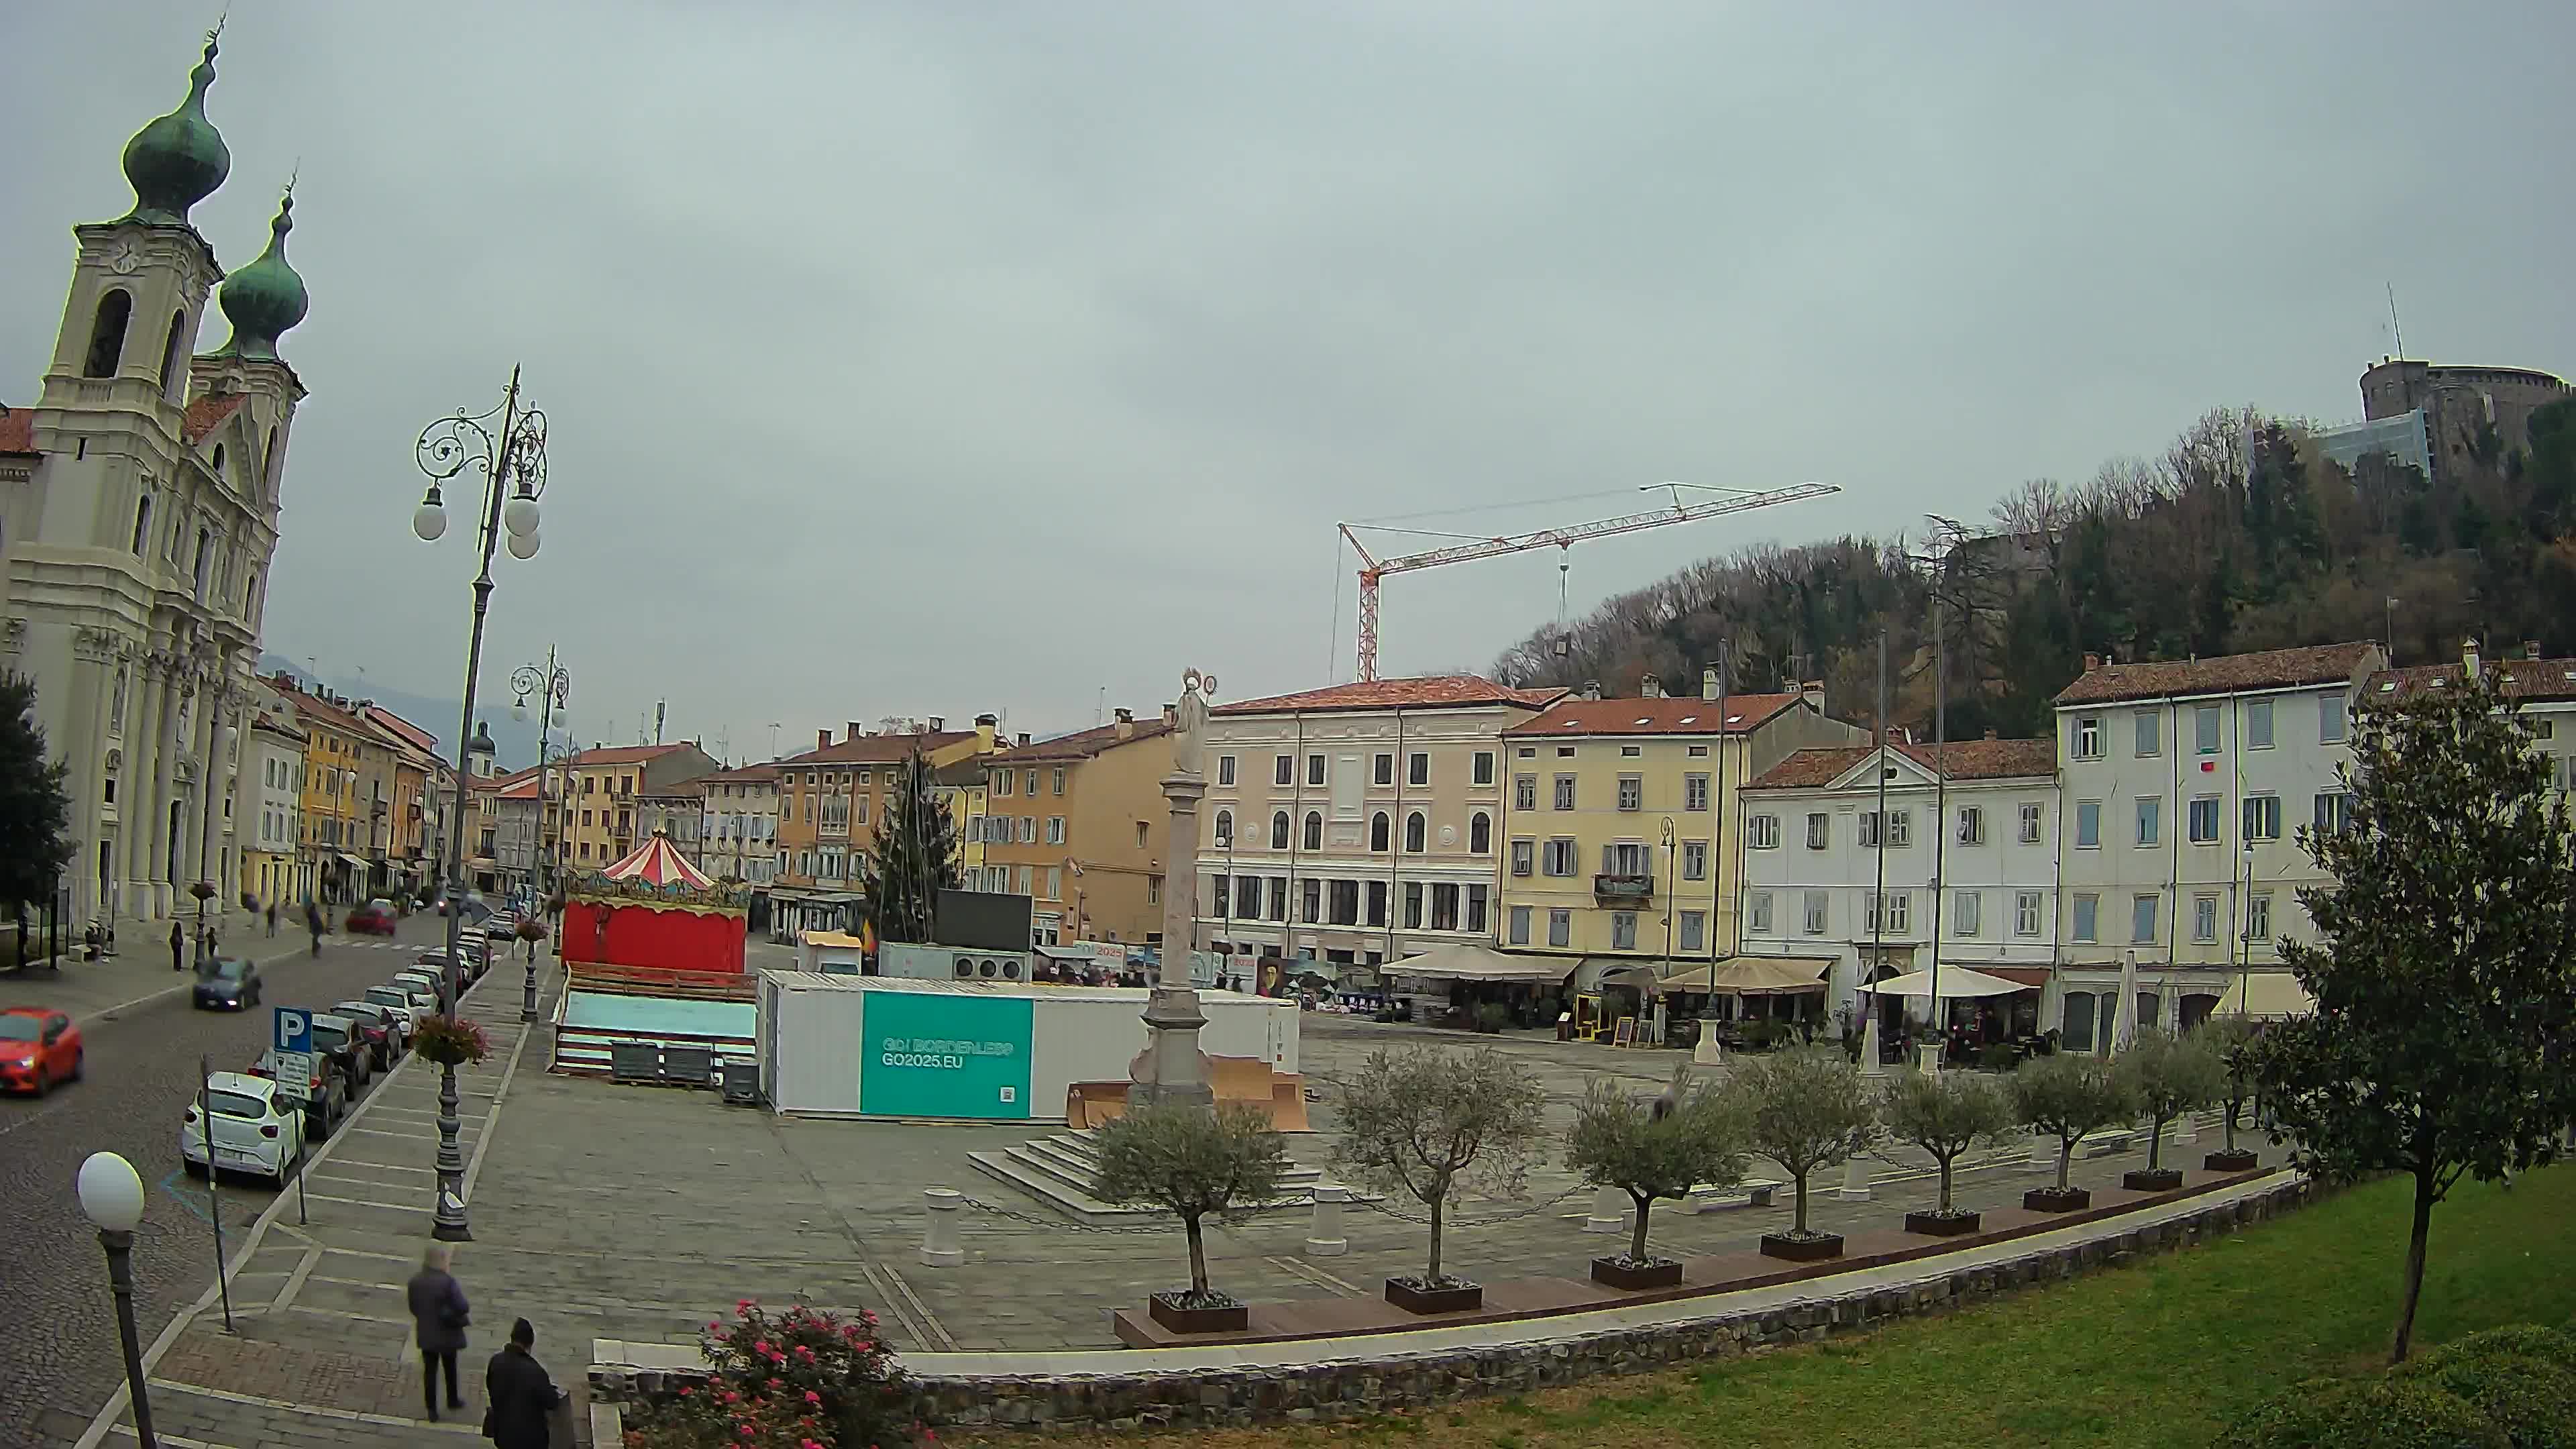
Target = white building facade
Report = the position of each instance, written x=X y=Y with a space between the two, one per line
x=2184 y=784
x=1291 y=862
x=739 y=835
x=139 y=519
x=1964 y=865
x=270 y=812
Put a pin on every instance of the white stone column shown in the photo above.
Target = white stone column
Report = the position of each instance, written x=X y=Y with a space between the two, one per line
x=133 y=798
x=1171 y=1069
x=1325 y=1239
x=940 y=1245
x=1855 y=1186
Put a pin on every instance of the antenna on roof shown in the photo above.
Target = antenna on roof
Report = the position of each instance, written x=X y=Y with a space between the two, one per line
x=2398 y=332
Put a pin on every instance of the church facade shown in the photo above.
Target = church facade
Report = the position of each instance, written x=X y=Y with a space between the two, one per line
x=139 y=498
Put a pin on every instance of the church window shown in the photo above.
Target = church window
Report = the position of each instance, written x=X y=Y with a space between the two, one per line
x=205 y=552
x=219 y=462
x=172 y=352
x=107 y=334
x=142 y=523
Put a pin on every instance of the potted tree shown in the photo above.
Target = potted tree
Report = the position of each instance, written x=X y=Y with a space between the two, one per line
x=1806 y=1110
x=2066 y=1096
x=1193 y=1164
x=1651 y=1150
x=2167 y=1075
x=1945 y=1114
x=2229 y=1037
x=1431 y=1125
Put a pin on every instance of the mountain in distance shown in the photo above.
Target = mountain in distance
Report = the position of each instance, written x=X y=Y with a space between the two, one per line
x=516 y=740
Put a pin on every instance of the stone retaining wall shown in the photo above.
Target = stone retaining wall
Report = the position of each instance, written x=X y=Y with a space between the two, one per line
x=1304 y=1391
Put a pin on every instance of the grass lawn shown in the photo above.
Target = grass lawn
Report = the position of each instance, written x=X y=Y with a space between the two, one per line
x=2158 y=1353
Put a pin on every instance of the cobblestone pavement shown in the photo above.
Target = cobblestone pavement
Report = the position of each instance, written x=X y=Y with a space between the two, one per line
x=638 y=1214
x=143 y=1039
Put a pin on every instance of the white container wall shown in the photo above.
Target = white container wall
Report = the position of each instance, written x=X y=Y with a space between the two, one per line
x=886 y=1047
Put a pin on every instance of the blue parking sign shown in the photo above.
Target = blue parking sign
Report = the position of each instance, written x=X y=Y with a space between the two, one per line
x=293 y=1030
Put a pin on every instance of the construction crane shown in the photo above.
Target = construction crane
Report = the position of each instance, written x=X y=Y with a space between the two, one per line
x=1373 y=569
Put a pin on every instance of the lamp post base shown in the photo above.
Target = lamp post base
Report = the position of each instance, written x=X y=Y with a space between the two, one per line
x=449 y=1224
x=120 y=1282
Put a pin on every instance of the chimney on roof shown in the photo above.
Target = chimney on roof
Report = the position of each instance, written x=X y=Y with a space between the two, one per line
x=1172 y=715
x=1651 y=687
x=1813 y=692
x=986 y=726
x=939 y=724
x=1990 y=734
x=1023 y=739
x=1126 y=724
x=1708 y=686
x=2530 y=648
x=823 y=739
x=2469 y=658
x=855 y=731
x=1591 y=689
x=2092 y=661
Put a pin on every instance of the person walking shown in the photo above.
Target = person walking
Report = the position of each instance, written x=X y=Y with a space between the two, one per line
x=519 y=1399
x=313 y=923
x=439 y=1316
x=272 y=918
x=178 y=947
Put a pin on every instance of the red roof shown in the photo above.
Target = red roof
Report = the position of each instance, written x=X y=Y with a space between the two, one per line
x=207 y=414
x=2225 y=674
x=2514 y=678
x=1666 y=715
x=17 y=430
x=1083 y=744
x=879 y=749
x=1960 y=760
x=624 y=754
x=1431 y=691
x=763 y=774
x=402 y=729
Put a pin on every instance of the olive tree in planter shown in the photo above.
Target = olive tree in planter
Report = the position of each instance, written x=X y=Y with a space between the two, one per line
x=1945 y=1114
x=1808 y=1110
x=1194 y=1164
x=2228 y=1037
x=1430 y=1125
x=2066 y=1096
x=2165 y=1076
x=1651 y=1150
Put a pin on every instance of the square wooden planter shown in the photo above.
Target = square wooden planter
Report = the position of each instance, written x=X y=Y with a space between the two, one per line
x=2237 y=1160
x=1802 y=1250
x=2160 y=1179
x=1232 y=1318
x=2050 y=1200
x=1619 y=1273
x=1942 y=1225
x=1454 y=1298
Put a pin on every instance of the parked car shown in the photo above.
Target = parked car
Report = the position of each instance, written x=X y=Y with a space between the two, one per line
x=434 y=962
x=253 y=1130
x=340 y=1037
x=400 y=1000
x=375 y=918
x=427 y=978
x=38 y=1047
x=326 y=1094
x=386 y=1030
x=423 y=996
x=228 y=983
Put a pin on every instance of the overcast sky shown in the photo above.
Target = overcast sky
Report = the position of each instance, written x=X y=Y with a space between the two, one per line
x=941 y=358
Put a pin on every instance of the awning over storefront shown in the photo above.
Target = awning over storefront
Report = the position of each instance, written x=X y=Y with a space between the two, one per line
x=2031 y=977
x=1956 y=982
x=1465 y=962
x=2266 y=994
x=1734 y=976
x=354 y=862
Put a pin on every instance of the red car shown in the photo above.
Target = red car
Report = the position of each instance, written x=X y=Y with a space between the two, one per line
x=38 y=1047
x=371 y=919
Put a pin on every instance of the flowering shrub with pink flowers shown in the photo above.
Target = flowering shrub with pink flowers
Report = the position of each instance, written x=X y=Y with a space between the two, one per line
x=799 y=1378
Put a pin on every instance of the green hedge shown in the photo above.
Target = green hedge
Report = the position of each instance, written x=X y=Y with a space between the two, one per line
x=2507 y=1388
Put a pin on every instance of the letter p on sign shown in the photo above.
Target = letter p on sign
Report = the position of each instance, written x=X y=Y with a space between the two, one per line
x=294 y=1030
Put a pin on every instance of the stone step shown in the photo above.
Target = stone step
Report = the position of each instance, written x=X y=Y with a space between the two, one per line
x=1059 y=1171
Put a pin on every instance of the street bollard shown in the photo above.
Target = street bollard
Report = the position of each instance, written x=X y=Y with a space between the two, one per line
x=2186 y=1129
x=939 y=1245
x=1324 y=1239
x=2043 y=1152
x=1855 y=1186
x=1609 y=1211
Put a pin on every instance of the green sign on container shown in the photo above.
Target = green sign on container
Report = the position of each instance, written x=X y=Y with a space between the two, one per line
x=937 y=1054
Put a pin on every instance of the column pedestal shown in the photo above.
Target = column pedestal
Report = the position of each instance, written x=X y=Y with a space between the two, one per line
x=1171 y=1071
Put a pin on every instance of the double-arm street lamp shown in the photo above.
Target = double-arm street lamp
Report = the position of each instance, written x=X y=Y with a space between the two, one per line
x=513 y=464
x=554 y=685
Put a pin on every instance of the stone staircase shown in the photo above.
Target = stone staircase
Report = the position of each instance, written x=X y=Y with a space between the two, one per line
x=1060 y=1170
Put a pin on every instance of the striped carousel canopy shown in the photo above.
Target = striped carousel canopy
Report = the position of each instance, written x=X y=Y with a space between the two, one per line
x=655 y=863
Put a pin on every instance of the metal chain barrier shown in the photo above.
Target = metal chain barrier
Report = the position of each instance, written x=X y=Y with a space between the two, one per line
x=1423 y=1220
x=1064 y=1224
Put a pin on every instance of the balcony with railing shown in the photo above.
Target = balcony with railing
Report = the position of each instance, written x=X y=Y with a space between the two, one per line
x=1623 y=888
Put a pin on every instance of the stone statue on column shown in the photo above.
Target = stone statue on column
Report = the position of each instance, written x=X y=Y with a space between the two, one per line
x=1171 y=1071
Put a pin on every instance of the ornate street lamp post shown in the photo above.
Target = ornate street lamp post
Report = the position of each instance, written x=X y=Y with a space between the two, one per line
x=513 y=463
x=111 y=1197
x=553 y=685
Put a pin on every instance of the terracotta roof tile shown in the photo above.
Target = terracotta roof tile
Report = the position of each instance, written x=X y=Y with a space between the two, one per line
x=1083 y=744
x=2225 y=674
x=624 y=754
x=2517 y=678
x=761 y=774
x=1431 y=691
x=17 y=430
x=1662 y=716
x=879 y=749
x=207 y=414
x=1961 y=759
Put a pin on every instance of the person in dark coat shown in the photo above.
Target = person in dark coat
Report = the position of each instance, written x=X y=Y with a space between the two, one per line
x=178 y=947
x=521 y=1398
x=438 y=1315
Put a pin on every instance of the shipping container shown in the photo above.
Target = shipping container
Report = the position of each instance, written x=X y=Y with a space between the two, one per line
x=879 y=1046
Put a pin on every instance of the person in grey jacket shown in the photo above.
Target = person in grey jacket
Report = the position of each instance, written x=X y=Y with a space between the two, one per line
x=439 y=1316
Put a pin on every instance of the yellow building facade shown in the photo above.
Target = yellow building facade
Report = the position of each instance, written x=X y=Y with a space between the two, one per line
x=331 y=864
x=1619 y=821
x=1079 y=825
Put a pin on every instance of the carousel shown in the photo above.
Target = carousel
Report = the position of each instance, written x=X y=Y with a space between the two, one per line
x=653 y=966
x=655 y=910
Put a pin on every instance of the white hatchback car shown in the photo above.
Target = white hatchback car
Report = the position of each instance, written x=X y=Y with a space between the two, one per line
x=255 y=1131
